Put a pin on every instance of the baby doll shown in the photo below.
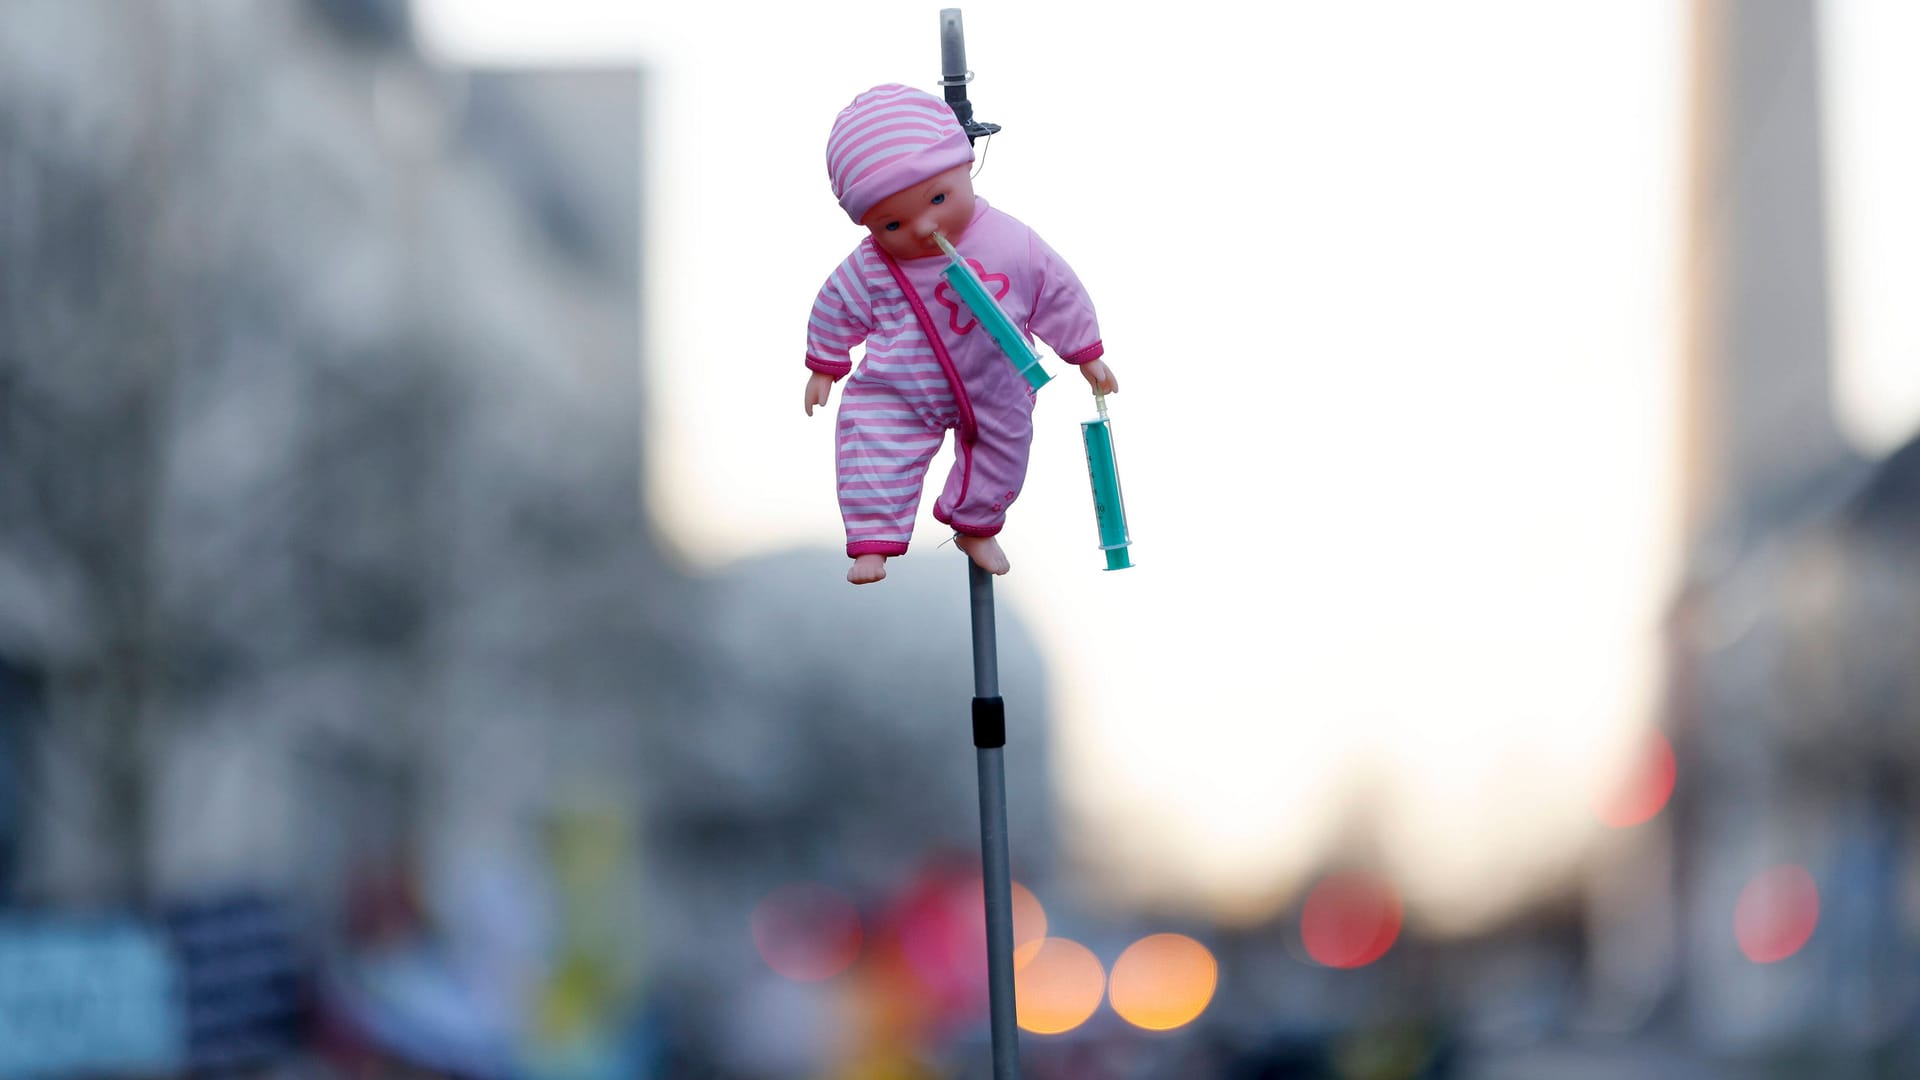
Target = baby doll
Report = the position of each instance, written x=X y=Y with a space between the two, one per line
x=900 y=165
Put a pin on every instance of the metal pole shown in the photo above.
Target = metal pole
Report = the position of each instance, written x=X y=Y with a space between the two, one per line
x=954 y=75
x=989 y=712
x=989 y=740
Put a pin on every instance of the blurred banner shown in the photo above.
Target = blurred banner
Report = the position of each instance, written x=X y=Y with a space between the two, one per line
x=81 y=998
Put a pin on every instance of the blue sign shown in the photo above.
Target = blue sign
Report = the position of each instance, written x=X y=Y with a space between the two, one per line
x=84 y=997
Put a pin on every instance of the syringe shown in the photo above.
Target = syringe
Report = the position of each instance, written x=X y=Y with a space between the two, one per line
x=1103 y=470
x=979 y=301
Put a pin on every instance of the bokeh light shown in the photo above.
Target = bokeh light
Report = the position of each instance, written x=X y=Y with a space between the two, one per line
x=1776 y=913
x=807 y=931
x=1057 y=985
x=1350 y=919
x=1029 y=920
x=1163 y=982
x=941 y=930
x=941 y=924
x=1644 y=790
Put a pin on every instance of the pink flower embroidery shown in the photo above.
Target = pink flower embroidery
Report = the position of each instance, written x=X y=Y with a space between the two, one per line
x=997 y=284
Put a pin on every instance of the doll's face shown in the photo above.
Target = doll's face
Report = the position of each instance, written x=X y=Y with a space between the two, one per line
x=903 y=223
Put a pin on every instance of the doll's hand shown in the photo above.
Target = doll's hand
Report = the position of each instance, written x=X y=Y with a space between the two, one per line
x=818 y=387
x=1100 y=377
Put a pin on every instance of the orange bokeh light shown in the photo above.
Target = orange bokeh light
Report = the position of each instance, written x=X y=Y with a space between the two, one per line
x=1163 y=982
x=807 y=932
x=1029 y=921
x=1776 y=913
x=1350 y=919
x=1644 y=791
x=1057 y=985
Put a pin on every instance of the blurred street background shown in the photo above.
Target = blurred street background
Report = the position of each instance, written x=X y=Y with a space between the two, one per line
x=424 y=642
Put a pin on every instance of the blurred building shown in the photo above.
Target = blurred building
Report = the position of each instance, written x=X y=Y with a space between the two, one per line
x=324 y=556
x=1795 y=692
x=323 y=477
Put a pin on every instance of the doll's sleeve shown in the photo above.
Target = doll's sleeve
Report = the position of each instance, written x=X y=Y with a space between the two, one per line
x=842 y=318
x=1062 y=311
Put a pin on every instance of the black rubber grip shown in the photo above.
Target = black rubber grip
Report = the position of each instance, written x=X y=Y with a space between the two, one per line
x=989 y=723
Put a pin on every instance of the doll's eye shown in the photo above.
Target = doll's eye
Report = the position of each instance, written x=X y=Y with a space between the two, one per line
x=940 y=198
x=893 y=226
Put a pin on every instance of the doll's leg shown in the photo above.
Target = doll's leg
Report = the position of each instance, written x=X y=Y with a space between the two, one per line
x=986 y=477
x=883 y=449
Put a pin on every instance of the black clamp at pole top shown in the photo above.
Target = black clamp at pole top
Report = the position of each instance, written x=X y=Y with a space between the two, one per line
x=954 y=75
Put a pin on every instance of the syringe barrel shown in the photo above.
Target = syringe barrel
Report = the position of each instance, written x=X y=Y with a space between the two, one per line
x=1109 y=509
x=998 y=326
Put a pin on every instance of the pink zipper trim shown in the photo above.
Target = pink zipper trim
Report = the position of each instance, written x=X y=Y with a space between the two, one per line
x=968 y=429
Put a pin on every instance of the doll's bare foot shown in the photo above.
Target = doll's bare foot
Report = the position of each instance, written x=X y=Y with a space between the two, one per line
x=867 y=569
x=984 y=551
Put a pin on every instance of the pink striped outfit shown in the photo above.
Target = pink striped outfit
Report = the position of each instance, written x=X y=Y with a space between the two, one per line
x=909 y=390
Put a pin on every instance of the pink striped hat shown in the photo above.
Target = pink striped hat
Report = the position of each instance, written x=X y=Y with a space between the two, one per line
x=891 y=138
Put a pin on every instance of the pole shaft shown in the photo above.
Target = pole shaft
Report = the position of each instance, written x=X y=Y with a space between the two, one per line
x=953 y=64
x=995 y=873
x=997 y=878
x=953 y=49
x=986 y=657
